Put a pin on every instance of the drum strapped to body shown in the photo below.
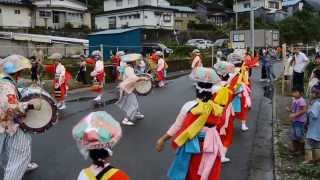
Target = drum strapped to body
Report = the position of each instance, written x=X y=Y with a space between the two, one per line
x=40 y=120
x=143 y=88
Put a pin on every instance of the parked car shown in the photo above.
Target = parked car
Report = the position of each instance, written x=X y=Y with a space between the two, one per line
x=199 y=43
x=221 y=43
x=149 y=47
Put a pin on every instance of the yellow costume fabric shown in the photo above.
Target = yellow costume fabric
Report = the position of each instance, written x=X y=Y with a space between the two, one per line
x=204 y=110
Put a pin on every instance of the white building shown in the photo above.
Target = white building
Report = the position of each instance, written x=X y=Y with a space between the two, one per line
x=57 y=13
x=149 y=14
x=15 y=14
x=245 y=6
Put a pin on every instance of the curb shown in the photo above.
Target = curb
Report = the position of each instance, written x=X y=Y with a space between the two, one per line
x=275 y=126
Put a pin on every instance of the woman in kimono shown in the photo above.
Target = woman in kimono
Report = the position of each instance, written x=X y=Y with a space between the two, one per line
x=197 y=61
x=98 y=74
x=224 y=96
x=160 y=69
x=194 y=135
x=96 y=135
x=60 y=81
x=128 y=101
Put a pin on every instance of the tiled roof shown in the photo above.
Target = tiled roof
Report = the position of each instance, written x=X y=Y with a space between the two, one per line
x=16 y=2
x=114 y=31
x=183 y=8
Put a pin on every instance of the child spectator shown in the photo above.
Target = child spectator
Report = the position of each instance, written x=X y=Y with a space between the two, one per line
x=312 y=144
x=298 y=117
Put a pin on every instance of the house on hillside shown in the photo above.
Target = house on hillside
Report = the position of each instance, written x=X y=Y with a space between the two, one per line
x=57 y=13
x=214 y=13
x=146 y=14
x=16 y=14
x=183 y=15
x=293 y=6
x=269 y=10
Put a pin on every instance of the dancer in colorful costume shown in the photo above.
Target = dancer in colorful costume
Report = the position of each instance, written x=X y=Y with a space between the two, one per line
x=160 y=69
x=15 y=144
x=128 y=101
x=61 y=78
x=224 y=95
x=197 y=61
x=98 y=74
x=239 y=83
x=195 y=137
x=96 y=135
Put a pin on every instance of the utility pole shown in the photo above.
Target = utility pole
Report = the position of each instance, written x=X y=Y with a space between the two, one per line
x=252 y=25
x=237 y=18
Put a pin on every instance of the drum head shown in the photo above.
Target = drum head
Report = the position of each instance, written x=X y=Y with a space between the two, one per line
x=38 y=121
x=143 y=88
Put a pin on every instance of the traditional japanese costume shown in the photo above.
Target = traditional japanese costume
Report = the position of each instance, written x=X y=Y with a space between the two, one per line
x=224 y=95
x=98 y=130
x=60 y=80
x=99 y=76
x=195 y=137
x=161 y=70
x=242 y=100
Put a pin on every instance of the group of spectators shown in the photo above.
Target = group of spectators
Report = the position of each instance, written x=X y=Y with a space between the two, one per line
x=304 y=111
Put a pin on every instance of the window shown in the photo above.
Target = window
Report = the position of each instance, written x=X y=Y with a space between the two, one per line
x=112 y=22
x=131 y=2
x=56 y=18
x=119 y=3
x=136 y=16
x=238 y=37
x=17 y=11
x=274 y=5
x=246 y=5
x=275 y=36
x=167 y=18
x=44 y=14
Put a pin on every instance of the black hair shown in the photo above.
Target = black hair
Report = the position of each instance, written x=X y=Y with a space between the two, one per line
x=296 y=89
x=317 y=74
x=205 y=96
x=97 y=154
x=238 y=64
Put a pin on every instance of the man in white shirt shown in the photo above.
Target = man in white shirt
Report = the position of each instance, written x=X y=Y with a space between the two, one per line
x=299 y=63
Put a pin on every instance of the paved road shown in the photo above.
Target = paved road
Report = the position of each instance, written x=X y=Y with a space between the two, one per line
x=58 y=156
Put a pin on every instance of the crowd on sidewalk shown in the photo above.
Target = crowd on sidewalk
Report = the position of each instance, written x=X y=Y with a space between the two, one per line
x=304 y=112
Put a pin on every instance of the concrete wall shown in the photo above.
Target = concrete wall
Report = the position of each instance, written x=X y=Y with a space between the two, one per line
x=263 y=38
x=110 y=5
x=148 y=19
x=24 y=48
x=69 y=16
x=8 y=17
x=240 y=6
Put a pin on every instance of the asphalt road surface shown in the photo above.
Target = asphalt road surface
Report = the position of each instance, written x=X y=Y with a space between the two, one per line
x=57 y=154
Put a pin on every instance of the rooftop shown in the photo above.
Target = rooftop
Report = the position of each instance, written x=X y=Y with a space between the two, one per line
x=16 y=2
x=183 y=8
x=114 y=31
x=70 y=4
